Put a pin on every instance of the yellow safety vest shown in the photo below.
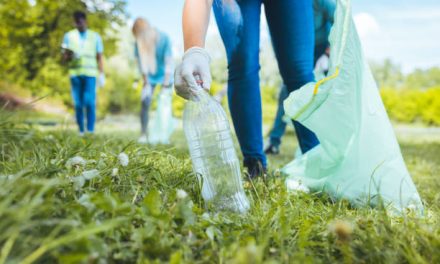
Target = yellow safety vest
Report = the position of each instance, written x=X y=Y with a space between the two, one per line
x=84 y=61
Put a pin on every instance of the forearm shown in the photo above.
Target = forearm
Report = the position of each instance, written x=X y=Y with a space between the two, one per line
x=195 y=22
x=100 y=63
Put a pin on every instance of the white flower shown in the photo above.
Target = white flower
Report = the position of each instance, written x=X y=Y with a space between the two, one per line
x=79 y=182
x=296 y=186
x=123 y=159
x=90 y=174
x=115 y=172
x=75 y=161
x=49 y=137
x=181 y=194
x=84 y=200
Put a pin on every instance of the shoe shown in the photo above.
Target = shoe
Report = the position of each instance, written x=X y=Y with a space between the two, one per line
x=254 y=168
x=143 y=140
x=272 y=150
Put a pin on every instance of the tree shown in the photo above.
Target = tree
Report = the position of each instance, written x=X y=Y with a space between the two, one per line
x=31 y=33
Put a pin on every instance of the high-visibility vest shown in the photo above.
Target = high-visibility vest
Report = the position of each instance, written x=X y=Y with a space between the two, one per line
x=84 y=61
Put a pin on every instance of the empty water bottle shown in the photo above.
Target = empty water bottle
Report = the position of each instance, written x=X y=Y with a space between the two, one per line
x=213 y=154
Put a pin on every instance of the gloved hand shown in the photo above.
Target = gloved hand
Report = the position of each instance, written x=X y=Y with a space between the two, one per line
x=147 y=91
x=101 y=80
x=193 y=72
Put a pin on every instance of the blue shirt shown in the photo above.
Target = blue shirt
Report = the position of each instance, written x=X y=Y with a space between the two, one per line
x=323 y=17
x=83 y=36
x=163 y=54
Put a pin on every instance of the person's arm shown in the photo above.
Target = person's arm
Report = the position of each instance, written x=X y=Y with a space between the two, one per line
x=67 y=54
x=194 y=71
x=100 y=62
x=195 y=22
x=99 y=52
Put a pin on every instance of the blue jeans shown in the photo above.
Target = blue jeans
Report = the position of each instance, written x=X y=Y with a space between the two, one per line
x=279 y=126
x=84 y=96
x=291 y=27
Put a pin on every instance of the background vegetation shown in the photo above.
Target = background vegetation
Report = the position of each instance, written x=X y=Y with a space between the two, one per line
x=30 y=64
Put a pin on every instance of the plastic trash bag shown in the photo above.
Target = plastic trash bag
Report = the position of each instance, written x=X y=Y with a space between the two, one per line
x=359 y=158
x=162 y=124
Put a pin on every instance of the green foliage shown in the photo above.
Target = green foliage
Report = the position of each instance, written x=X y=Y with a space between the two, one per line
x=388 y=74
x=31 y=36
x=134 y=214
x=409 y=105
x=431 y=108
x=119 y=94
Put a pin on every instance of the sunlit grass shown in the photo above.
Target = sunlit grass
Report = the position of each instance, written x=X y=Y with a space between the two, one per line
x=138 y=212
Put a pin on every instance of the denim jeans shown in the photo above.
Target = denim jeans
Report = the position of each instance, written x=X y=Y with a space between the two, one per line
x=145 y=108
x=84 y=96
x=279 y=126
x=291 y=27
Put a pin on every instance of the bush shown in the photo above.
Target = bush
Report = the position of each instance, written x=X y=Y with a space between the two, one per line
x=409 y=106
x=431 y=107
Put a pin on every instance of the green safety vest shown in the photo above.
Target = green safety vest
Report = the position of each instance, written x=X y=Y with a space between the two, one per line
x=84 y=61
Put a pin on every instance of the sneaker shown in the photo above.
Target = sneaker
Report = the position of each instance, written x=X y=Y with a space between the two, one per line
x=272 y=150
x=143 y=139
x=254 y=168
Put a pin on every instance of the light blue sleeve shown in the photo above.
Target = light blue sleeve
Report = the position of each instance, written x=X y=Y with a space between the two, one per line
x=99 y=45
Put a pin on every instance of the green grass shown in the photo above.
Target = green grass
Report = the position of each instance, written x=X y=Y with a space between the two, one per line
x=137 y=216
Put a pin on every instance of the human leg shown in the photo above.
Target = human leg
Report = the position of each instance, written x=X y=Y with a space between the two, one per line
x=279 y=126
x=291 y=26
x=90 y=101
x=239 y=26
x=77 y=95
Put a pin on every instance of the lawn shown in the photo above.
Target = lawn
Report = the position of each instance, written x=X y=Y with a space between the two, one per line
x=67 y=199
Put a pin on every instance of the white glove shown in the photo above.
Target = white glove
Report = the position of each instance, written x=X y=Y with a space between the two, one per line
x=101 y=80
x=193 y=72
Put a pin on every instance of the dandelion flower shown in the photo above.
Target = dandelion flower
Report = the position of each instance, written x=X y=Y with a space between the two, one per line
x=115 y=172
x=79 y=182
x=75 y=162
x=342 y=229
x=90 y=174
x=181 y=194
x=123 y=159
x=296 y=186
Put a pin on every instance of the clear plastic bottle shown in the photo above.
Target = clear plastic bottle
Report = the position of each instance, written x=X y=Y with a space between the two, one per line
x=213 y=154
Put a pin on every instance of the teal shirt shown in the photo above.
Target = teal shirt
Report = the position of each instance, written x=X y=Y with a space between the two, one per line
x=324 y=17
x=163 y=52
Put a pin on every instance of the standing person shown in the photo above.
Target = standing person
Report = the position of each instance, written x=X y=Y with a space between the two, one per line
x=323 y=11
x=291 y=27
x=82 y=50
x=154 y=57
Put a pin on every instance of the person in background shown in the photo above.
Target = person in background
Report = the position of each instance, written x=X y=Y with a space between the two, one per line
x=322 y=64
x=153 y=53
x=82 y=50
x=291 y=27
x=323 y=11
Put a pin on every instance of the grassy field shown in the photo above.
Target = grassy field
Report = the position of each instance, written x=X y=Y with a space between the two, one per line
x=55 y=208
